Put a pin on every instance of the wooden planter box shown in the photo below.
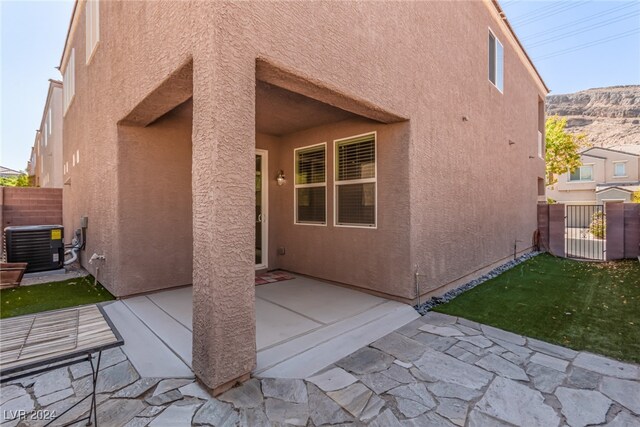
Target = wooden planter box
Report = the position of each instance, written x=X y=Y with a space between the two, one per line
x=11 y=274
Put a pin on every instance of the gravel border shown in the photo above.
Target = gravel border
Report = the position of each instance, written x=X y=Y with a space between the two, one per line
x=448 y=296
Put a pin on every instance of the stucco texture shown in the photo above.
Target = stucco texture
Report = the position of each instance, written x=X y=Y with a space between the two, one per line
x=453 y=195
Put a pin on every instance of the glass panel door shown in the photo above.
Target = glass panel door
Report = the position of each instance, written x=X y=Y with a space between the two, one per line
x=261 y=209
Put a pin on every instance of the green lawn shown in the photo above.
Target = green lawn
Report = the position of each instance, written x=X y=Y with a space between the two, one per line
x=51 y=296
x=582 y=305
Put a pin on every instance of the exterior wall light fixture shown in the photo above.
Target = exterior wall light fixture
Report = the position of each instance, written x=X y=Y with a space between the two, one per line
x=281 y=179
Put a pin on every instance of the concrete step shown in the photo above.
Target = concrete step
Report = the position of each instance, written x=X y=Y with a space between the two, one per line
x=303 y=356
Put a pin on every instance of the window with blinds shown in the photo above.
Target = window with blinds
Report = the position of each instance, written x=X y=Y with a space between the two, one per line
x=355 y=181
x=311 y=185
x=92 y=26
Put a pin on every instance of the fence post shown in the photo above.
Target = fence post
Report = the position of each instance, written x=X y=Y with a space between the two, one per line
x=614 y=213
x=556 y=229
x=543 y=227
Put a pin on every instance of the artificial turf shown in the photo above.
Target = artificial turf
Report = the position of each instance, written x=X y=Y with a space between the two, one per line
x=581 y=305
x=51 y=296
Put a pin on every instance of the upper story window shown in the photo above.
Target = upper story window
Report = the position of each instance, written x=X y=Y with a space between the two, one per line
x=311 y=185
x=583 y=173
x=69 y=80
x=619 y=169
x=540 y=145
x=93 y=26
x=44 y=134
x=49 y=120
x=355 y=181
x=496 y=62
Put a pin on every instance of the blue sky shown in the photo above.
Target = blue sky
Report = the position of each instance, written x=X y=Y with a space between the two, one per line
x=33 y=33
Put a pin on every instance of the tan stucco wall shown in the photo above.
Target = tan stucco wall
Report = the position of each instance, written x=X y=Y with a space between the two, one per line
x=465 y=193
x=155 y=214
x=330 y=252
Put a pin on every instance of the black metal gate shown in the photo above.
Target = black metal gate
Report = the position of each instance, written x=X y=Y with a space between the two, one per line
x=585 y=231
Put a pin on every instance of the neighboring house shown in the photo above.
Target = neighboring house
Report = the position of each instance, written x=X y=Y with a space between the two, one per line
x=31 y=167
x=606 y=175
x=45 y=167
x=9 y=173
x=356 y=142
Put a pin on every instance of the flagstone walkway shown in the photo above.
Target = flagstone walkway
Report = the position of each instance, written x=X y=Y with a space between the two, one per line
x=436 y=371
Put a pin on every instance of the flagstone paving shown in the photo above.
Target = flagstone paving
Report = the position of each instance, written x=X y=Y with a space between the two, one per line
x=436 y=371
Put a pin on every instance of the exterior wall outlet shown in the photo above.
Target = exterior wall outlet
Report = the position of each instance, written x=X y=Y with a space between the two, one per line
x=281 y=250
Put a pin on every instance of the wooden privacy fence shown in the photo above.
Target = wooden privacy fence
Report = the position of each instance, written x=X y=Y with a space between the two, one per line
x=620 y=238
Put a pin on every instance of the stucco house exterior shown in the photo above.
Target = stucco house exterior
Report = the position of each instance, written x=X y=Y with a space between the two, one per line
x=606 y=175
x=46 y=166
x=355 y=142
x=9 y=173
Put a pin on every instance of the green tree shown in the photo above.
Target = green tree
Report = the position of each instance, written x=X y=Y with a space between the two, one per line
x=561 y=152
x=16 y=181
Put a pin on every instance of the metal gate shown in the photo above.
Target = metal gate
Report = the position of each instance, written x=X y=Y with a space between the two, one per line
x=585 y=231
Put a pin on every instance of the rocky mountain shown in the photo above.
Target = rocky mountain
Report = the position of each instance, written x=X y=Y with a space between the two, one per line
x=609 y=116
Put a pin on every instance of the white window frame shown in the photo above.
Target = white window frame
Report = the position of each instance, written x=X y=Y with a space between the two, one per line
x=49 y=120
x=497 y=63
x=317 y=184
x=574 y=181
x=373 y=180
x=44 y=134
x=92 y=27
x=69 y=81
x=624 y=164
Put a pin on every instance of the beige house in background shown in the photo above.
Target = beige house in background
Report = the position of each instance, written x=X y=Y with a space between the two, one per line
x=606 y=175
x=355 y=142
x=45 y=166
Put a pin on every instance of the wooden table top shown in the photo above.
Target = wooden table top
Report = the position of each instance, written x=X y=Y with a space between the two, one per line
x=38 y=339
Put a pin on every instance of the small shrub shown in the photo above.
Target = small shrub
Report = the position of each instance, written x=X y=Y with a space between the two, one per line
x=598 y=225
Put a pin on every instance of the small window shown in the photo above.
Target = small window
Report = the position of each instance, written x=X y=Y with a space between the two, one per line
x=49 y=120
x=540 y=145
x=45 y=133
x=583 y=173
x=311 y=185
x=77 y=156
x=69 y=84
x=619 y=169
x=355 y=181
x=93 y=26
x=496 y=62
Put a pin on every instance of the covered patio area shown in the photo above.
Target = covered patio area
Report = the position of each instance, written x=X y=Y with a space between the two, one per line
x=302 y=326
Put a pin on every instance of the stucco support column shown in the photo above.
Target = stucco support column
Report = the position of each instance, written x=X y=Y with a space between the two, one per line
x=223 y=182
x=615 y=230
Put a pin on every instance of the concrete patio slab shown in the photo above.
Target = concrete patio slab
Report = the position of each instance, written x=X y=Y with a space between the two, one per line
x=149 y=355
x=320 y=301
x=174 y=334
x=302 y=325
x=275 y=324
x=177 y=303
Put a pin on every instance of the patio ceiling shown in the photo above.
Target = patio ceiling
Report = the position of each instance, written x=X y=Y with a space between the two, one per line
x=280 y=112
